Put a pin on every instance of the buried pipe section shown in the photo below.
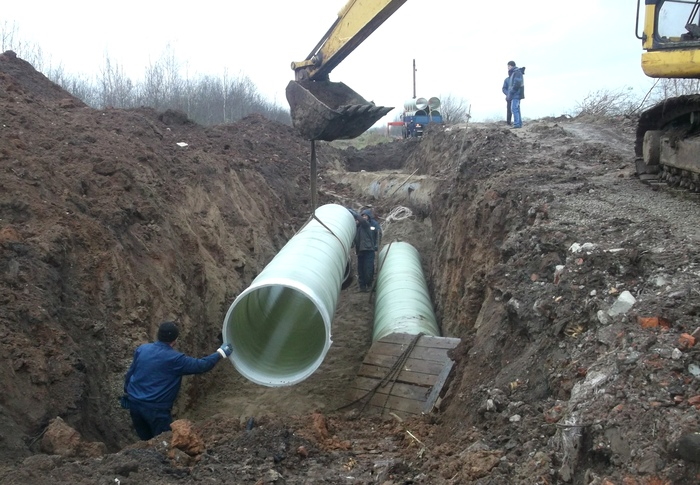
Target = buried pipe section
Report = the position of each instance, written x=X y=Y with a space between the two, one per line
x=280 y=326
x=402 y=304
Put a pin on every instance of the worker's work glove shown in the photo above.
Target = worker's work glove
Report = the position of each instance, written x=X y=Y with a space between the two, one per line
x=225 y=350
x=124 y=401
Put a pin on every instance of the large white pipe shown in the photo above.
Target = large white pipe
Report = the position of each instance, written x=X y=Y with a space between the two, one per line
x=280 y=326
x=403 y=302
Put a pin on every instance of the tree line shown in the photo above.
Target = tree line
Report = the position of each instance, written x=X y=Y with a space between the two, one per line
x=206 y=99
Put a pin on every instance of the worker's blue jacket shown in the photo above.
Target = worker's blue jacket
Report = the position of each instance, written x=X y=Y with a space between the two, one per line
x=516 y=84
x=155 y=375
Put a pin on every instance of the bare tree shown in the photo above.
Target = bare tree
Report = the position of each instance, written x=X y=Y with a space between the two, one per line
x=10 y=40
x=206 y=101
x=224 y=86
x=670 y=88
x=607 y=102
x=116 y=89
x=173 y=83
x=244 y=96
x=57 y=74
x=7 y=35
x=153 y=87
x=81 y=88
x=454 y=109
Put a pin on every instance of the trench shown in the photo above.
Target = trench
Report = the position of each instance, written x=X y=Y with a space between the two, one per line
x=434 y=195
x=456 y=226
x=440 y=201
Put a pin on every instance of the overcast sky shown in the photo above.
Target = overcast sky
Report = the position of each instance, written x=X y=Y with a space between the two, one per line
x=460 y=47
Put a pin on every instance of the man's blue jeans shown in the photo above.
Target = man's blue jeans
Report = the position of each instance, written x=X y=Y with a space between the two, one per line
x=515 y=108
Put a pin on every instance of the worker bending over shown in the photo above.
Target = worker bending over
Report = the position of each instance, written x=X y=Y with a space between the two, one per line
x=153 y=381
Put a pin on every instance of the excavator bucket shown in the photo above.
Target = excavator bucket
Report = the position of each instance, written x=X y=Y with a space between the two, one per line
x=325 y=110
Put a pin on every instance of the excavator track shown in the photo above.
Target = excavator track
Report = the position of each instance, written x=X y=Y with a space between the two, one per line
x=667 y=145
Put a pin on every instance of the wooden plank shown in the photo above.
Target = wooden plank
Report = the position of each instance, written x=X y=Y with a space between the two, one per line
x=410 y=364
x=389 y=402
x=408 y=377
x=395 y=350
x=437 y=387
x=424 y=341
x=409 y=391
x=420 y=380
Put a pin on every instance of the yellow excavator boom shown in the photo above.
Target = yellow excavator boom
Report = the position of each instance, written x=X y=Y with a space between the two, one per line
x=325 y=110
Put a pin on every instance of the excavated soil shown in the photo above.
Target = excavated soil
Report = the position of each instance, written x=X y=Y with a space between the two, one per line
x=113 y=221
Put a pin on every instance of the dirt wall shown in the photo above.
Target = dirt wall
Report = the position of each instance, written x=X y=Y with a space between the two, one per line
x=113 y=221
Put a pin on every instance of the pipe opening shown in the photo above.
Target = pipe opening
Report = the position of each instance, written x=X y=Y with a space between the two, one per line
x=279 y=335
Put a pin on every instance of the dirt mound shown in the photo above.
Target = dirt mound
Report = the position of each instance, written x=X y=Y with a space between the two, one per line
x=538 y=237
x=572 y=286
x=98 y=209
x=20 y=78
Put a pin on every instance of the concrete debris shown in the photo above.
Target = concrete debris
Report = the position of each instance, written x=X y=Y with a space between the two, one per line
x=623 y=304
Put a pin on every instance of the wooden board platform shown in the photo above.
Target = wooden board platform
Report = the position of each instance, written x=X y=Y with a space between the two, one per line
x=402 y=375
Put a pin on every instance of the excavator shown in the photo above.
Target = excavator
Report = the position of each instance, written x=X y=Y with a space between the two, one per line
x=325 y=110
x=668 y=134
x=667 y=146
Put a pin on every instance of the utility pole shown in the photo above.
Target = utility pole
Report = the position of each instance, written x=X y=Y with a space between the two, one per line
x=414 y=79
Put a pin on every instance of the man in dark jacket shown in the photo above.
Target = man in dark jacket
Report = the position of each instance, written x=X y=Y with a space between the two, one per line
x=509 y=113
x=153 y=381
x=377 y=228
x=516 y=91
x=365 y=240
